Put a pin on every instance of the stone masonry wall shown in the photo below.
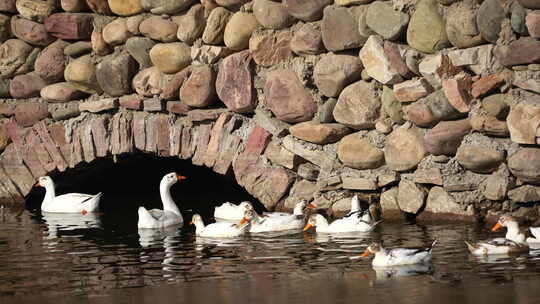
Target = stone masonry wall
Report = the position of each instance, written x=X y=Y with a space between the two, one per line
x=427 y=108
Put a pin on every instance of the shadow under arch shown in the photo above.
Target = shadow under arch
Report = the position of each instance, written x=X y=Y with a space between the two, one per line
x=133 y=181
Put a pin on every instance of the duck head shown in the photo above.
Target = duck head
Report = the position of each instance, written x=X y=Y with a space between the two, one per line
x=246 y=205
x=44 y=181
x=504 y=221
x=171 y=178
x=372 y=249
x=248 y=216
x=313 y=220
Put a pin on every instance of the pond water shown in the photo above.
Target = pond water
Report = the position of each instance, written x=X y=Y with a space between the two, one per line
x=105 y=259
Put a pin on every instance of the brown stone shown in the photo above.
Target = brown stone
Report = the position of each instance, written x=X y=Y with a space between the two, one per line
x=51 y=62
x=8 y=6
x=202 y=115
x=70 y=26
x=148 y=82
x=307 y=40
x=26 y=86
x=172 y=90
x=532 y=85
x=445 y=138
x=411 y=197
x=523 y=121
x=340 y=29
x=270 y=49
x=99 y=6
x=479 y=159
x=334 y=72
x=404 y=148
x=397 y=61
x=318 y=133
x=431 y=176
x=28 y=113
x=215 y=26
x=457 y=90
x=153 y=105
x=203 y=137
x=441 y=205
x=389 y=204
x=198 y=89
x=81 y=73
x=486 y=84
x=191 y=25
x=271 y=15
x=60 y=92
x=376 y=62
x=281 y=156
x=159 y=28
x=358 y=106
x=522 y=51
x=525 y=194
x=114 y=74
x=116 y=32
x=30 y=31
x=13 y=56
x=35 y=10
x=125 y=7
x=99 y=46
x=287 y=97
x=489 y=125
x=306 y=10
x=359 y=183
x=178 y=107
x=357 y=152
x=412 y=90
x=133 y=102
x=234 y=83
x=533 y=23
x=525 y=165
x=99 y=105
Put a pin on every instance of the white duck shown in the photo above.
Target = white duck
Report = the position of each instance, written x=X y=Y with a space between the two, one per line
x=355 y=209
x=514 y=242
x=222 y=229
x=66 y=203
x=398 y=256
x=231 y=212
x=535 y=238
x=281 y=222
x=353 y=223
x=170 y=215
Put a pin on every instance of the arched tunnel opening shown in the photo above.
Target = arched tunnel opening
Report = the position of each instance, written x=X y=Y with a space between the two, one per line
x=133 y=180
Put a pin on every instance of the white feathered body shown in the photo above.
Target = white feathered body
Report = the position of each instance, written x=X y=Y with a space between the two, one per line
x=72 y=203
x=222 y=230
x=402 y=256
x=157 y=218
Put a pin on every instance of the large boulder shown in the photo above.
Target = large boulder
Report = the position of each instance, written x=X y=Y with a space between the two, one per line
x=269 y=49
x=525 y=165
x=404 y=148
x=29 y=31
x=139 y=48
x=307 y=40
x=158 y=28
x=445 y=138
x=461 y=26
x=411 y=196
x=238 y=30
x=524 y=121
x=479 y=159
x=489 y=19
x=271 y=15
x=198 y=90
x=287 y=97
x=334 y=72
x=26 y=86
x=357 y=152
x=114 y=74
x=13 y=57
x=385 y=21
x=170 y=58
x=427 y=30
x=340 y=29
x=51 y=62
x=234 y=83
x=306 y=10
x=35 y=10
x=81 y=73
x=70 y=26
x=215 y=25
x=358 y=106
x=191 y=24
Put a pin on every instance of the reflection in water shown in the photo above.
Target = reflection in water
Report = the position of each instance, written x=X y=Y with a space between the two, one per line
x=93 y=259
x=58 y=222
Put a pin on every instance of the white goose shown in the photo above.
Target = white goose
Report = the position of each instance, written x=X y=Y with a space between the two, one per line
x=514 y=241
x=222 y=229
x=170 y=215
x=356 y=208
x=66 y=203
x=231 y=212
x=398 y=256
x=350 y=224
x=280 y=222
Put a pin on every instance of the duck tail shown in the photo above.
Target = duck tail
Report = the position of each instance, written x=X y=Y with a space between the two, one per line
x=470 y=246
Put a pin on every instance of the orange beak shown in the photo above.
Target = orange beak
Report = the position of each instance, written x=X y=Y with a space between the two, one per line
x=242 y=221
x=37 y=184
x=307 y=227
x=496 y=227
x=191 y=223
x=311 y=206
x=366 y=253
x=180 y=177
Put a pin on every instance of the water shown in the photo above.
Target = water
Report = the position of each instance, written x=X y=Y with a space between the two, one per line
x=104 y=259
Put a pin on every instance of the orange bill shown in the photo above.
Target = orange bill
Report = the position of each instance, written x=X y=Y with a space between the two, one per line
x=306 y=228
x=365 y=254
x=496 y=227
x=242 y=221
x=311 y=206
x=37 y=184
x=180 y=177
x=191 y=223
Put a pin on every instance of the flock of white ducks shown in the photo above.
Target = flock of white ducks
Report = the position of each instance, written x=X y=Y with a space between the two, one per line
x=236 y=220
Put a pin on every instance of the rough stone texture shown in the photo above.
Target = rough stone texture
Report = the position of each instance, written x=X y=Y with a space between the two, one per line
x=479 y=159
x=99 y=46
x=81 y=73
x=356 y=152
x=385 y=21
x=271 y=15
x=523 y=122
x=191 y=25
x=489 y=18
x=26 y=86
x=287 y=98
x=334 y=72
x=533 y=23
x=404 y=148
x=171 y=91
x=35 y=10
x=78 y=48
x=99 y=6
x=170 y=58
x=30 y=31
x=358 y=106
x=426 y=31
x=13 y=56
x=461 y=26
x=158 y=28
x=215 y=26
x=532 y=4
x=99 y=105
x=486 y=84
x=148 y=82
x=69 y=26
x=411 y=197
x=51 y=62
x=497 y=184
x=446 y=136
x=281 y=156
x=28 y=113
x=238 y=30
x=311 y=153
x=525 y=165
x=167 y=7
x=389 y=204
x=489 y=125
x=125 y=7
x=359 y=183
x=457 y=91
x=307 y=40
x=234 y=83
x=522 y=51
x=60 y=92
x=412 y=90
x=198 y=89
x=376 y=62
x=340 y=29
x=74 y=6
x=517 y=19
x=318 y=133
x=116 y=32
x=8 y=6
x=440 y=204
x=431 y=176
x=306 y=10
x=532 y=85
x=270 y=49
x=139 y=48
x=524 y=194
x=114 y=74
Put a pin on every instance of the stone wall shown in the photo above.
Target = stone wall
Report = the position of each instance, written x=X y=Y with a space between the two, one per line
x=424 y=108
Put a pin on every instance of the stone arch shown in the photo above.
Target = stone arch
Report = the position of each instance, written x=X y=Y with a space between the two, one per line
x=227 y=142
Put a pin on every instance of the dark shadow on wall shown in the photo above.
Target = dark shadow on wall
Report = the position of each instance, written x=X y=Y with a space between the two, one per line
x=133 y=181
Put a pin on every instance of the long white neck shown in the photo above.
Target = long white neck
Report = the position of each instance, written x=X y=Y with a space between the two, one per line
x=513 y=232
x=355 y=204
x=322 y=223
x=50 y=194
x=298 y=209
x=199 y=226
x=166 y=199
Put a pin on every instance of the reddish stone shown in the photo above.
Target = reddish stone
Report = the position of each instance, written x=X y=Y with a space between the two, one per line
x=7 y=109
x=58 y=134
x=26 y=86
x=8 y=6
x=201 y=115
x=139 y=130
x=525 y=50
x=215 y=139
x=16 y=170
x=163 y=126
x=153 y=105
x=257 y=141
x=152 y=132
x=87 y=141
x=121 y=137
x=133 y=102
x=186 y=151
x=172 y=89
x=75 y=151
x=70 y=26
x=486 y=84
x=51 y=62
x=306 y=10
x=178 y=107
x=457 y=90
x=396 y=61
x=227 y=153
x=30 y=31
x=203 y=137
x=100 y=131
x=533 y=23
x=234 y=83
x=198 y=90
x=28 y=113
x=412 y=90
x=175 y=139
x=270 y=49
x=445 y=138
x=50 y=145
x=420 y=114
x=25 y=148
x=99 y=7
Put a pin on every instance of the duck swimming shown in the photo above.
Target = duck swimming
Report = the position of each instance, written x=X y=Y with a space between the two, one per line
x=232 y=212
x=66 y=203
x=281 y=222
x=354 y=223
x=514 y=241
x=222 y=229
x=398 y=256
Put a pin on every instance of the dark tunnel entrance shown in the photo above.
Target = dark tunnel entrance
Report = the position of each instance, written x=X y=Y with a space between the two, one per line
x=133 y=181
